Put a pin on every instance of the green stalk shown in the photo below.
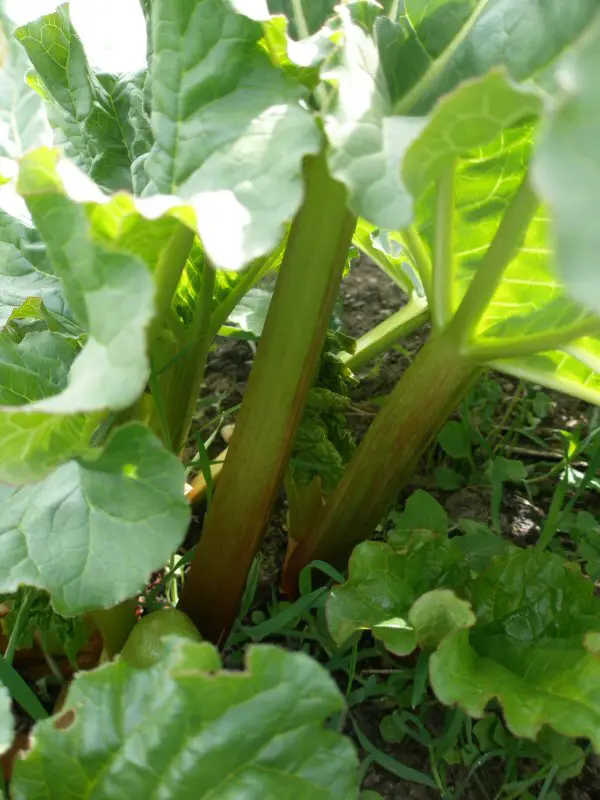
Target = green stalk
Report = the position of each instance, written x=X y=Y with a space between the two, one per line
x=386 y=458
x=384 y=336
x=273 y=405
x=181 y=385
x=167 y=274
x=414 y=412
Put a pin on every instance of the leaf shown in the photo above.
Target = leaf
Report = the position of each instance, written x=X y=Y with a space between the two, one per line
x=439 y=45
x=521 y=626
x=81 y=108
x=315 y=13
x=93 y=531
x=102 y=252
x=366 y=142
x=566 y=167
x=436 y=614
x=387 y=84
x=197 y=731
x=575 y=371
x=421 y=512
x=24 y=271
x=250 y=314
x=23 y=121
x=476 y=112
x=532 y=648
x=230 y=132
x=455 y=440
x=385 y=580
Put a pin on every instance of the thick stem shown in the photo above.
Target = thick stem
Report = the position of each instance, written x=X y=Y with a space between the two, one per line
x=275 y=397
x=183 y=382
x=385 y=335
x=387 y=456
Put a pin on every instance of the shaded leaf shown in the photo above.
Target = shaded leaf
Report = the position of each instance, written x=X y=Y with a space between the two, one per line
x=93 y=531
x=197 y=731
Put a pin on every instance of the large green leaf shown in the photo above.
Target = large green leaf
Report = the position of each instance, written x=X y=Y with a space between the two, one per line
x=188 y=729
x=99 y=121
x=566 y=168
x=387 y=83
x=94 y=530
x=230 y=132
x=437 y=45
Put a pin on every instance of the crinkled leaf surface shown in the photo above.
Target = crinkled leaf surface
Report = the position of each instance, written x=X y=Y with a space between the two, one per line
x=94 y=530
x=96 y=121
x=230 y=132
x=517 y=625
x=533 y=648
x=566 y=168
x=188 y=729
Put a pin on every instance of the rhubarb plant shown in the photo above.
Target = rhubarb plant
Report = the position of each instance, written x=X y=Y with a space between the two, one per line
x=454 y=144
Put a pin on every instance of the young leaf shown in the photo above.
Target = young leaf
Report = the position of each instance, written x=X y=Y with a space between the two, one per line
x=197 y=731
x=230 y=132
x=93 y=531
